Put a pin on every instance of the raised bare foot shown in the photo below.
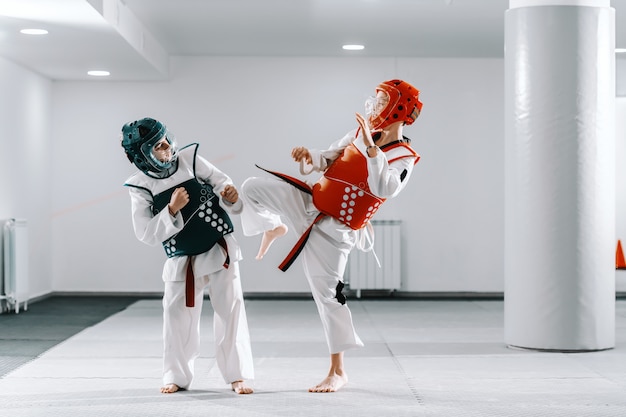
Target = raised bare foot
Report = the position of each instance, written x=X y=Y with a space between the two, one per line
x=240 y=388
x=169 y=388
x=269 y=236
x=331 y=383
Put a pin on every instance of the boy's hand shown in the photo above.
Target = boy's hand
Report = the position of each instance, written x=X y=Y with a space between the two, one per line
x=179 y=199
x=365 y=129
x=230 y=194
x=300 y=153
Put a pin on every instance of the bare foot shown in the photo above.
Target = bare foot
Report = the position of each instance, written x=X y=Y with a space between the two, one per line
x=331 y=383
x=169 y=388
x=240 y=388
x=269 y=237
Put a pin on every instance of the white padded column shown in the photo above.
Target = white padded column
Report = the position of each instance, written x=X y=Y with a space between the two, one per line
x=560 y=175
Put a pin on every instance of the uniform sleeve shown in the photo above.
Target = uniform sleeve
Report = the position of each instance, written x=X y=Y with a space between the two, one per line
x=387 y=180
x=210 y=174
x=150 y=229
x=322 y=159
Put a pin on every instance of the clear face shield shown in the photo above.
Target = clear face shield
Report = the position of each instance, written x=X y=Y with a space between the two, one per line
x=374 y=105
x=161 y=153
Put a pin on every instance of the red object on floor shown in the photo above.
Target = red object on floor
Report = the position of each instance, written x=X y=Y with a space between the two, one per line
x=620 y=263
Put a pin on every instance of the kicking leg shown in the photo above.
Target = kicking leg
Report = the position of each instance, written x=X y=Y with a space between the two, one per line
x=269 y=236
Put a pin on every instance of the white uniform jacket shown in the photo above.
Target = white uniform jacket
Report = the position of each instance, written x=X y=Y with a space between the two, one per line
x=155 y=229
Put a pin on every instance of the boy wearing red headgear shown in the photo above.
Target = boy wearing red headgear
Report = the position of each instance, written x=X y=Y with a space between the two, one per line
x=360 y=171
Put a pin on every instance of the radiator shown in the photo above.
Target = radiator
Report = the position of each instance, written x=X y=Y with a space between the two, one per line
x=364 y=273
x=14 y=283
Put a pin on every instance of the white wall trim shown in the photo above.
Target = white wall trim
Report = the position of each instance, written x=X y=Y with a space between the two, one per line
x=513 y=4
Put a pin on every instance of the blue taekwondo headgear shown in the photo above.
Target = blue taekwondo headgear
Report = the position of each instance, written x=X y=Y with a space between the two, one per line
x=139 y=139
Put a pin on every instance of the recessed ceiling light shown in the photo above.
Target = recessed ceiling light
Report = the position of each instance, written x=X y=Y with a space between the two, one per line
x=34 y=31
x=353 y=47
x=99 y=73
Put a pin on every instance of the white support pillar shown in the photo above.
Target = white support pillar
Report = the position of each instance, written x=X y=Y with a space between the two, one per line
x=560 y=175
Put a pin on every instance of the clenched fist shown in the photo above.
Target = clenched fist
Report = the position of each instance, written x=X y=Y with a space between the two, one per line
x=230 y=194
x=179 y=199
x=301 y=153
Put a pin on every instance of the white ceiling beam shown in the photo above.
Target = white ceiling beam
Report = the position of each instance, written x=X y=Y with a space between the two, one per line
x=124 y=21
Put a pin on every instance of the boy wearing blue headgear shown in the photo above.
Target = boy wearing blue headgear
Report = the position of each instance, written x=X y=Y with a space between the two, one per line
x=182 y=201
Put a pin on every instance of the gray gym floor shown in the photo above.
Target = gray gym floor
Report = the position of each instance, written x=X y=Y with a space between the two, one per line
x=422 y=358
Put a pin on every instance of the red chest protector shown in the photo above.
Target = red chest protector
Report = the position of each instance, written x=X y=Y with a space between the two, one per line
x=343 y=192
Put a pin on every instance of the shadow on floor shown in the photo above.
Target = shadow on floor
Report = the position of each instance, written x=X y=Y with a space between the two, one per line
x=48 y=322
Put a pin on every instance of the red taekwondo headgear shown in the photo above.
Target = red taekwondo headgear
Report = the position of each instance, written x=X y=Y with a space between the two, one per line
x=404 y=104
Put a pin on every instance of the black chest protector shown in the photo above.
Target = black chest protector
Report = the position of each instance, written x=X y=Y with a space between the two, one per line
x=206 y=222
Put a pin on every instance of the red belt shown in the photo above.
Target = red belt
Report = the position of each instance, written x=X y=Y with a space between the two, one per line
x=297 y=248
x=190 y=288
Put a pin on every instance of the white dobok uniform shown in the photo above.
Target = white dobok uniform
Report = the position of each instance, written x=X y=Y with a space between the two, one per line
x=324 y=256
x=181 y=324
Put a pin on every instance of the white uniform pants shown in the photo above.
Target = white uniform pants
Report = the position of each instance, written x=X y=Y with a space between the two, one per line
x=324 y=256
x=181 y=328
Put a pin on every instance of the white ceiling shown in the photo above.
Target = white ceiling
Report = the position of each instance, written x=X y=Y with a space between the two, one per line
x=134 y=39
